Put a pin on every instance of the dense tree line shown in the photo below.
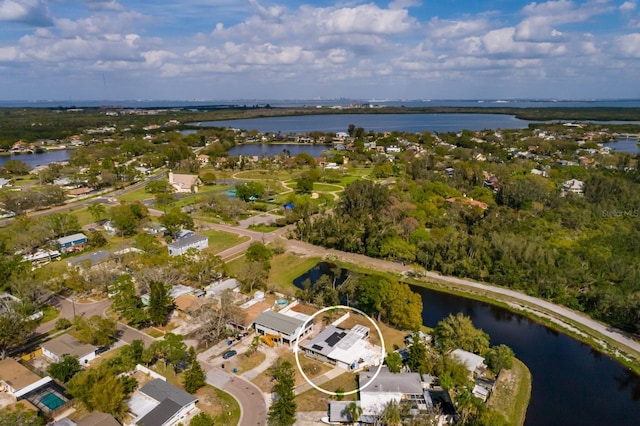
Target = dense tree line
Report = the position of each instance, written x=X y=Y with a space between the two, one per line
x=580 y=251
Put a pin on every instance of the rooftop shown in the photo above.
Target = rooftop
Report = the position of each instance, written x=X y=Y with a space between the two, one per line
x=16 y=375
x=279 y=322
x=161 y=390
x=67 y=344
x=187 y=241
x=386 y=381
x=95 y=258
x=72 y=238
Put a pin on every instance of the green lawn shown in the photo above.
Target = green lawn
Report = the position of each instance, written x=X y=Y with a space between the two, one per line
x=220 y=241
x=137 y=195
x=287 y=267
x=48 y=313
x=326 y=187
x=314 y=400
x=83 y=215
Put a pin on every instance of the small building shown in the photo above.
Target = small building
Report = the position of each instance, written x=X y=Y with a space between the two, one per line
x=41 y=256
x=159 y=403
x=98 y=419
x=573 y=186
x=181 y=246
x=184 y=183
x=188 y=303
x=55 y=348
x=72 y=241
x=346 y=349
x=474 y=363
x=283 y=328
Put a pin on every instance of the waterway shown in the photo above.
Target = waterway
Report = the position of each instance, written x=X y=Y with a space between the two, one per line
x=34 y=160
x=572 y=383
x=376 y=122
x=625 y=145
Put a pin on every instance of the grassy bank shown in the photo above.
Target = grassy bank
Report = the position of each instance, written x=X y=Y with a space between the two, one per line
x=512 y=394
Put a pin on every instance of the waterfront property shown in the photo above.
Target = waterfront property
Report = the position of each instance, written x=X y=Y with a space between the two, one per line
x=347 y=349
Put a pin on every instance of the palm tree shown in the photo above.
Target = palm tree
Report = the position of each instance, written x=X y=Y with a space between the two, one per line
x=353 y=411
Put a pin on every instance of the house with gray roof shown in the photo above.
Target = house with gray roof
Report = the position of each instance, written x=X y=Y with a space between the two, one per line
x=55 y=348
x=159 y=403
x=348 y=349
x=282 y=328
x=181 y=246
x=90 y=259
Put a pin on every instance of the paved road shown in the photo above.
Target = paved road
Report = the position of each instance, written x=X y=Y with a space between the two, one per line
x=561 y=312
x=67 y=309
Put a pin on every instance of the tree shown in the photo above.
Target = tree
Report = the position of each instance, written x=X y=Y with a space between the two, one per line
x=353 y=411
x=97 y=211
x=127 y=302
x=97 y=330
x=124 y=218
x=499 y=357
x=258 y=252
x=254 y=274
x=213 y=322
x=96 y=239
x=250 y=191
x=18 y=415
x=202 y=419
x=63 y=224
x=171 y=349
x=102 y=389
x=175 y=220
x=194 y=378
x=160 y=303
x=17 y=167
x=208 y=177
x=282 y=411
x=15 y=328
x=458 y=332
x=417 y=356
x=391 y=414
x=65 y=369
x=394 y=362
x=304 y=184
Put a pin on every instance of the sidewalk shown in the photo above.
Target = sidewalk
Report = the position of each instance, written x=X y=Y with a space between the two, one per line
x=318 y=381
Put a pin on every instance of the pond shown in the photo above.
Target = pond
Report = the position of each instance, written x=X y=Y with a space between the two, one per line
x=572 y=383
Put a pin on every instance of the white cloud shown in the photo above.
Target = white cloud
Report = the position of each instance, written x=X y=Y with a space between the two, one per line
x=404 y=4
x=627 y=7
x=31 y=12
x=103 y=5
x=448 y=29
x=628 y=46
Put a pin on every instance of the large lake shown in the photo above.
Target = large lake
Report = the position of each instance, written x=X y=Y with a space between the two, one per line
x=34 y=160
x=268 y=150
x=624 y=145
x=376 y=122
x=572 y=384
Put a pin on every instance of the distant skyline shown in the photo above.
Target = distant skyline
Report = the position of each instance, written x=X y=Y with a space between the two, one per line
x=270 y=49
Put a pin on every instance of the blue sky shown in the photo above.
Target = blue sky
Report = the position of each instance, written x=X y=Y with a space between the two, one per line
x=283 y=49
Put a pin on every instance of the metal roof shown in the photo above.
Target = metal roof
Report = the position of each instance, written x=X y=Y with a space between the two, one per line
x=279 y=322
x=72 y=238
x=386 y=381
x=188 y=241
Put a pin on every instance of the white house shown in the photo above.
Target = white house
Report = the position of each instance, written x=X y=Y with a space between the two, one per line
x=67 y=344
x=181 y=246
x=573 y=186
x=184 y=183
x=283 y=328
x=474 y=363
x=346 y=349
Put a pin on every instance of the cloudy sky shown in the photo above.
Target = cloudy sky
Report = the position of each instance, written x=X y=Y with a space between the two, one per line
x=284 y=49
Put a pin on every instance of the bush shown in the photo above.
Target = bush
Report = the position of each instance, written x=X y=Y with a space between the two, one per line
x=62 y=324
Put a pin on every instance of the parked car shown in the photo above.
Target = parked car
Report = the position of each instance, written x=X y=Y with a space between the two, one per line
x=229 y=354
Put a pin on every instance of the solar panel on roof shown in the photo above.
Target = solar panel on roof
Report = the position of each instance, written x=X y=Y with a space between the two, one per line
x=335 y=338
x=317 y=347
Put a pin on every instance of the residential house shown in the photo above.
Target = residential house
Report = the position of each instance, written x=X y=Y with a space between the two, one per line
x=182 y=245
x=573 y=186
x=159 y=403
x=203 y=159
x=4 y=182
x=282 y=327
x=184 y=183
x=188 y=303
x=251 y=310
x=72 y=242
x=90 y=259
x=16 y=379
x=67 y=344
x=346 y=349
x=472 y=362
x=92 y=419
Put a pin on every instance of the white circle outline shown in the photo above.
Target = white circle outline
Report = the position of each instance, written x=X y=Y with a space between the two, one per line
x=351 y=392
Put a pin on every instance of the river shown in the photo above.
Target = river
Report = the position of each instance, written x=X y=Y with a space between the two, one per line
x=376 y=122
x=34 y=160
x=572 y=383
x=624 y=145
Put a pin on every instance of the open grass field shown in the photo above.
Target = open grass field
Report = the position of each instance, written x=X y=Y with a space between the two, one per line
x=220 y=241
x=512 y=394
x=311 y=368
x=137 y=195
x=220 y=405
x=83 y=215
x=314 y=400
x=287 y=267
x=327 y=187
x=393 y=339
